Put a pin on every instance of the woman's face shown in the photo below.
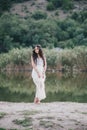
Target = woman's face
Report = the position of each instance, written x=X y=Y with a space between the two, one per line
x=36 y=50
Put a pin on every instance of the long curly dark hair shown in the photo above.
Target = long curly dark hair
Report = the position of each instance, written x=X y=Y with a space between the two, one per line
x=35 y=55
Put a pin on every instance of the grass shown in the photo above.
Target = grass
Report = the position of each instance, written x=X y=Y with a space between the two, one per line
x=46 y=124
x=76 y=124
x=73 y=120
x=24 y=122
x=59 y=119
x=2 y=129
x=26 y=112
x=84 y=113
x=15 y=129
x=49 y=124
x=81 y=112
x=49 y=117
x=29 y=129
x=9 y=129
x=2 y=114
x=12 y=129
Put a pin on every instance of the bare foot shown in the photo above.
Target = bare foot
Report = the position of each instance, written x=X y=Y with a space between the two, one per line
x=37 y=101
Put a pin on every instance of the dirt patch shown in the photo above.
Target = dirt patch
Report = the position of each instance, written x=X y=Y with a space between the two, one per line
x=26 y=9
x=44 y=116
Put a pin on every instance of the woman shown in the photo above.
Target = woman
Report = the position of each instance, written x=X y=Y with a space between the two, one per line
x=38 y=61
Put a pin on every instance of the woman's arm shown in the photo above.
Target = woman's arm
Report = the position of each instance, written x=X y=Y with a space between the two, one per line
x=45 y=66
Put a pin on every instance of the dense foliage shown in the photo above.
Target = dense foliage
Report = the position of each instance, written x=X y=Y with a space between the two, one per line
x=69 y=59
x=6 y=4
x=16 y=31
x=40 y=28
x=64 y=4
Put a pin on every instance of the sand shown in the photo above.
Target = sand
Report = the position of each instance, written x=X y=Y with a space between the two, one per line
x=44 y=116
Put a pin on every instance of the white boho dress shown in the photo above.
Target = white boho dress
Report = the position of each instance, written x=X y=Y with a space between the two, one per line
x=39 y=82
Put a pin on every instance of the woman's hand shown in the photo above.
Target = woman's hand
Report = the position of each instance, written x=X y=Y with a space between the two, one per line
x=38 y=74
x=43 y=73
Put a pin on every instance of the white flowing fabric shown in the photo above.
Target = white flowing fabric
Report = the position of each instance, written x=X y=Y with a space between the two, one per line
x=39 y=82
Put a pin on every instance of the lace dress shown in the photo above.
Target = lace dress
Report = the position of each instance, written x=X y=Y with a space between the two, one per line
x=39 y=82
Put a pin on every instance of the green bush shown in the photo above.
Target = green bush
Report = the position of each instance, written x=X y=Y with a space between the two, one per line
x=6 y=4
x=52 y=58
x=20 y=56
x=80 y=16
x=4 y=60
x=66 y=58
x=81 y=53
x=39 y=15
x=65 y=4
x=57 y=3
x=16 y=57
x=6 y=44
x=50 y=6
x=49 y=32
x=56 y=13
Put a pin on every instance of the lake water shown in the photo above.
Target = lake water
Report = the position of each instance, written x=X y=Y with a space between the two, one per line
x=19 y=87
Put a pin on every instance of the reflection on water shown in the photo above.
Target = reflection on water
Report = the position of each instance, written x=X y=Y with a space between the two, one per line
x=19 y=87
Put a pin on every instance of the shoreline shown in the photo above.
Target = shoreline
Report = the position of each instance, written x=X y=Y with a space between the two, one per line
x=44 y=116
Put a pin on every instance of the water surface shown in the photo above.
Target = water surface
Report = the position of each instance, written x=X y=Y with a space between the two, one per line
x=19 y=87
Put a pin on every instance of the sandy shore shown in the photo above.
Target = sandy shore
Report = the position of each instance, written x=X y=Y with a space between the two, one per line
x=44 y=116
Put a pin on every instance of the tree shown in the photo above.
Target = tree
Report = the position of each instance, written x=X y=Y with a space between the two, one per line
x=5 y=5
